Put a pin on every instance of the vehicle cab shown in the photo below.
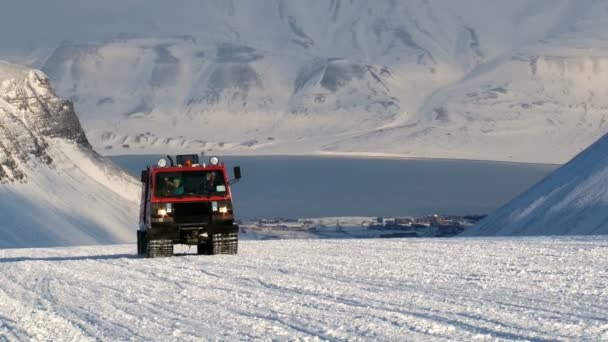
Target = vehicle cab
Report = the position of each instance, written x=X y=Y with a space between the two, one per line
x=187 y=201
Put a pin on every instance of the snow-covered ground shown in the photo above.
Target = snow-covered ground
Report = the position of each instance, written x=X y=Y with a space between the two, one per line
x=400 y=289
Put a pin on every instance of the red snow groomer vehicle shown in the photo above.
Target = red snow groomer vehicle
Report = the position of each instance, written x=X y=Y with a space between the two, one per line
x=187 y=203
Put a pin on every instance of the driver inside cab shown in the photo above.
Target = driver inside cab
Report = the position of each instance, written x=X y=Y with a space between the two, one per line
x=173 y=186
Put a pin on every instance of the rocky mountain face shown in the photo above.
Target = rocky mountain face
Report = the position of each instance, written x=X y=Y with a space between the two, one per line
x=54 y=189
x=517 y=81
x=30 y=112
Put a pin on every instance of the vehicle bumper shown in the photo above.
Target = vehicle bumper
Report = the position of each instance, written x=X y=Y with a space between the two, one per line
x=189 y=233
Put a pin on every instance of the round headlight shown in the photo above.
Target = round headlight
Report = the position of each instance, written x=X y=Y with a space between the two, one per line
x=162 y=162
x=214 y=160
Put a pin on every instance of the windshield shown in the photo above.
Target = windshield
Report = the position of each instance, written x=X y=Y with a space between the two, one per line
x=189 y=183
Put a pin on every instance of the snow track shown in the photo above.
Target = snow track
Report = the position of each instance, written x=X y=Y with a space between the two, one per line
x=464 y=289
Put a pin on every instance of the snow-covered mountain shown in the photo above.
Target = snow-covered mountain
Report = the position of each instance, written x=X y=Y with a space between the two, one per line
x=519 y=80
x=571 y=201
x=54 y=189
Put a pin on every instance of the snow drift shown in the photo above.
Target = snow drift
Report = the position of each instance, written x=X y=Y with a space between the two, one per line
x=571 y=201
x=419 y=78
x=54 y=189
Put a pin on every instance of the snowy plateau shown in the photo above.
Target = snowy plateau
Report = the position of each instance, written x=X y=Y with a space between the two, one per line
x=533 y=289
x=516 y=80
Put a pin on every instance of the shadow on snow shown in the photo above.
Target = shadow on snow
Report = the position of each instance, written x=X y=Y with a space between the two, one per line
x=71 y=258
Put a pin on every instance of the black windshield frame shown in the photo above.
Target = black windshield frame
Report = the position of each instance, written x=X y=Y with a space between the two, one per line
x=190 y=184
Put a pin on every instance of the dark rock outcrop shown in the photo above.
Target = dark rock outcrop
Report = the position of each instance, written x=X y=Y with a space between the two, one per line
x=30 y=114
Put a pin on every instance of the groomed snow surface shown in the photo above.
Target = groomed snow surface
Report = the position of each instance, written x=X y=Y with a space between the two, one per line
x=395 y=289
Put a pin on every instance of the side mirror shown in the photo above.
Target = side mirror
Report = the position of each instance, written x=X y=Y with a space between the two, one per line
x=144 y=176
x=237 y=172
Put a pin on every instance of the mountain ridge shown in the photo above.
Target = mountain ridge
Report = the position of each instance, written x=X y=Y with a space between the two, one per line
x=417 y=78
x=570 y=201
x=54 y=189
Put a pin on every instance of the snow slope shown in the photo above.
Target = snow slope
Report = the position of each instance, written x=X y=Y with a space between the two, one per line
x=381 y=290
x=517 y=81
x=54 y=189
x=570 y=201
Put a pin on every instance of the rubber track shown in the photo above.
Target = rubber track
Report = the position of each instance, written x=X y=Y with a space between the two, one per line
x=141 y=243
x=221 y=243
x=159 y=248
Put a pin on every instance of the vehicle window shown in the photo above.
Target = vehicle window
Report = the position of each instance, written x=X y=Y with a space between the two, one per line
x=189 y=183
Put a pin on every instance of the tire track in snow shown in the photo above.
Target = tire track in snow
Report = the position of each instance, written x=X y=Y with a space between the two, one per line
x=88 y=318
x=373 y=289
x=10 y=331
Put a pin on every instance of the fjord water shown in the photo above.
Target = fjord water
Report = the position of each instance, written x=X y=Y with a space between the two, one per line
x=296 y=187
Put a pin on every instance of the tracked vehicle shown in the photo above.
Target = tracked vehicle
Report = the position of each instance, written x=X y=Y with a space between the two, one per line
x=189 y=203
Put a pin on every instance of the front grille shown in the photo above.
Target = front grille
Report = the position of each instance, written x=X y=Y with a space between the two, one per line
x=192 y=213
